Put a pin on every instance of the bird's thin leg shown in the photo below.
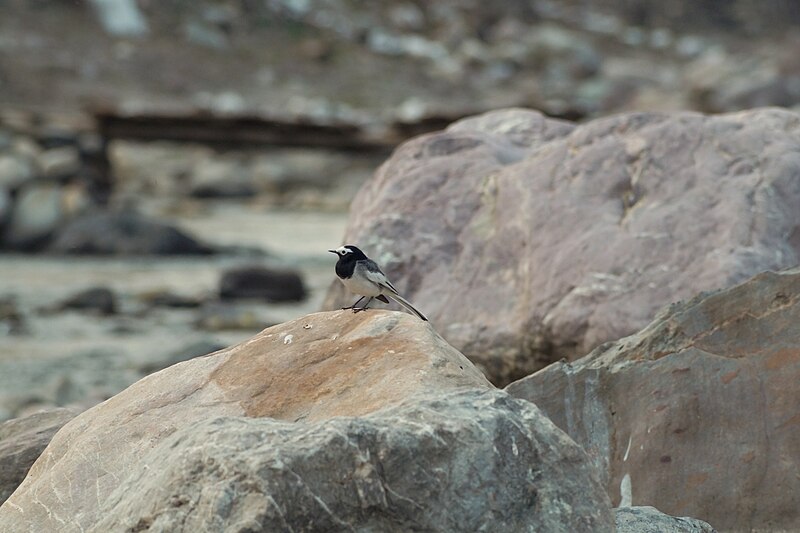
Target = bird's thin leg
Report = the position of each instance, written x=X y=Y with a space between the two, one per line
x=357 y=309
x=355 y=304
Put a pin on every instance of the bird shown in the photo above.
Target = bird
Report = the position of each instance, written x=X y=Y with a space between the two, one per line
x=361 y=275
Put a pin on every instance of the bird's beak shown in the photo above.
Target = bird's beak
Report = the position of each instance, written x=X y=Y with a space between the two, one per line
x=332 y=251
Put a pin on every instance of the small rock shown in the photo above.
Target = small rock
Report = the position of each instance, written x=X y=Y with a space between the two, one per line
x=15 y=171
x=11 y=320
x=26 y=147
x=165 y=298
x=60 y=163
x=98 y=299
x=34 y=217
x=263 y=283
x=646 y=519
x=57 y=136
x=6 y=139
x=124 y=233
x=204 y=34
x=221 y=179
x=224 y=317
x=121 y=18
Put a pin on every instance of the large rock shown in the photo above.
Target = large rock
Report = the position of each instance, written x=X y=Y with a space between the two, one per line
x=124 y=233
x=464 y=461
x=22 y=440
x=697 y=413
x=526 y=239
x=335 y=421
x=650 y=520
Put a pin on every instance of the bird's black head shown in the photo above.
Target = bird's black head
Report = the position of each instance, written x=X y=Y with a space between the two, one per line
x=348 y=256
x=348 y=252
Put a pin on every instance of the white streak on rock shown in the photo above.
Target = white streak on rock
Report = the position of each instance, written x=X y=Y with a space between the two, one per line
x=626 y=491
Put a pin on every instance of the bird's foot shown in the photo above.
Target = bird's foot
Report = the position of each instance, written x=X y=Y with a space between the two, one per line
x=348 y=307
x=357 y=309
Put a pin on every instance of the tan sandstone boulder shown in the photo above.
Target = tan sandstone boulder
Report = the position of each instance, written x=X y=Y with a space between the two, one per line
x=698 y=414
x=526 y=239
x=335 y=421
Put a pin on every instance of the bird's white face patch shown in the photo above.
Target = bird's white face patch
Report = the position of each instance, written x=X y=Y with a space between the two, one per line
x=343 y=251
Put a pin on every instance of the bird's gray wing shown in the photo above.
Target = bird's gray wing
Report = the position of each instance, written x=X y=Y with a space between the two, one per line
x=374 y=273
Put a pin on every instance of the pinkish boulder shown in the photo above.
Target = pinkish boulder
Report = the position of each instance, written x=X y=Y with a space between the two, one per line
x=526 y=239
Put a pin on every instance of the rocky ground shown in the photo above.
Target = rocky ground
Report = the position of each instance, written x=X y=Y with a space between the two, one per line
x=171 y=175
x=392 y=66
x=557 y=238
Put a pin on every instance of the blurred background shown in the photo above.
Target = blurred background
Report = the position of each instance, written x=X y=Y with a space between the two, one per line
x=172 y=171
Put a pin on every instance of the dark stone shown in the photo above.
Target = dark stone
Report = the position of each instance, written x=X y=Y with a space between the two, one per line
x=98 y=299
x=124 y=233
x=11 y=318
x=263 y=283
x=170 y=299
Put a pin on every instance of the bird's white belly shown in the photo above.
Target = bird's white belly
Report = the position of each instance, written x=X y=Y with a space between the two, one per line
x=361 y=286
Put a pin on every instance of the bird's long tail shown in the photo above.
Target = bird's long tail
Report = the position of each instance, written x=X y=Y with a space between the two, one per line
x=402 y=301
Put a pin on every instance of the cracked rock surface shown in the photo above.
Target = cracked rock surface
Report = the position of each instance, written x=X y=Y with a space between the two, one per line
x=335 y=421
x=697 y=413
x=526 y=239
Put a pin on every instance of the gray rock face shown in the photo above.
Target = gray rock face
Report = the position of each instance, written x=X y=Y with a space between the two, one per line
x=526 y=240
x=467 y=461
x=697 y=413
x=22 y=441
x=651 y=520
x=333 y=422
